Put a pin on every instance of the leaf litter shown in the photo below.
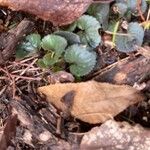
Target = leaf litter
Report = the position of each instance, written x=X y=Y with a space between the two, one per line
x=50 y=125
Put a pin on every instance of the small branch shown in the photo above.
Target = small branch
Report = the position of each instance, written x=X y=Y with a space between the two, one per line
x=125 y=71
x=120 y=34
x=27 y=78
x=139 y=3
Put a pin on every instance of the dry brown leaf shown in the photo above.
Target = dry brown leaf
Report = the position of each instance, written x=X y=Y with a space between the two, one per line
x=59 y=12
x=119 y=136
x=91 y=101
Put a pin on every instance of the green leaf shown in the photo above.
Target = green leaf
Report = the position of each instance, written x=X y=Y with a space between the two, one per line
x=148 y=1
x=132 y=6
x=20 y=53
x=137 y=32
x=100 y=12
x=29 y=46
x=112 y=25
x=82 y=61
x=115 y=30
x=53 y=42
x=41 y=64
x=33 y=42
x=93 y=37
x=55 y=45
x=89 y=30
x=130 y=41
x=82 y=36
x=71 y=27
x=49 y=60
x=121 y=8
x=85 y=22
x=71 y=38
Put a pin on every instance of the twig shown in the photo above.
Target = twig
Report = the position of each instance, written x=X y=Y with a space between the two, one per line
x=3 y=90
x=148 y=15
x=121 y=34
x=10 y=39
x=27 y=78
x=31 y=69
x=6 y=72
x=27 y=59
x=27 y=68
x=13 y=88
x=3 y=78
x=139 y=3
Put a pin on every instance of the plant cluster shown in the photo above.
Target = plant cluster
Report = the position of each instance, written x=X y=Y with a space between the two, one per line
x=76 y=44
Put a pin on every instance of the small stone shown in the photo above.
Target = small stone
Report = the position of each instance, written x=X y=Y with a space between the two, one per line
x=45 y=136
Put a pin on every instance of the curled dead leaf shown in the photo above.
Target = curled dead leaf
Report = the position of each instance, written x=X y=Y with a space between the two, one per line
x=60 y=12
x=91 y=102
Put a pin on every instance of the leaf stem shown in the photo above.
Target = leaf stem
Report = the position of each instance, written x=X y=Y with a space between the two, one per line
x=115 y=31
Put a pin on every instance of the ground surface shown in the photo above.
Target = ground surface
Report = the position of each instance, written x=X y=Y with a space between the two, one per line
x=38 y=125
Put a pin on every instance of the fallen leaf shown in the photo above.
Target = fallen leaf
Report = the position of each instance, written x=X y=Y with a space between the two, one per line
x=119 y=136
x=60 y=12
x=93 y=102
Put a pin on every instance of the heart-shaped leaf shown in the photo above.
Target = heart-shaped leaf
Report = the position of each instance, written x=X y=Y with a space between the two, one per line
x=49 y=60
x=130 y=41
x=121 y=8
x=53 y=43
x=132 y=6
x=101 y=12
x=89 y=28
x=82 y=61
x=71 y=37
x=29 y=46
